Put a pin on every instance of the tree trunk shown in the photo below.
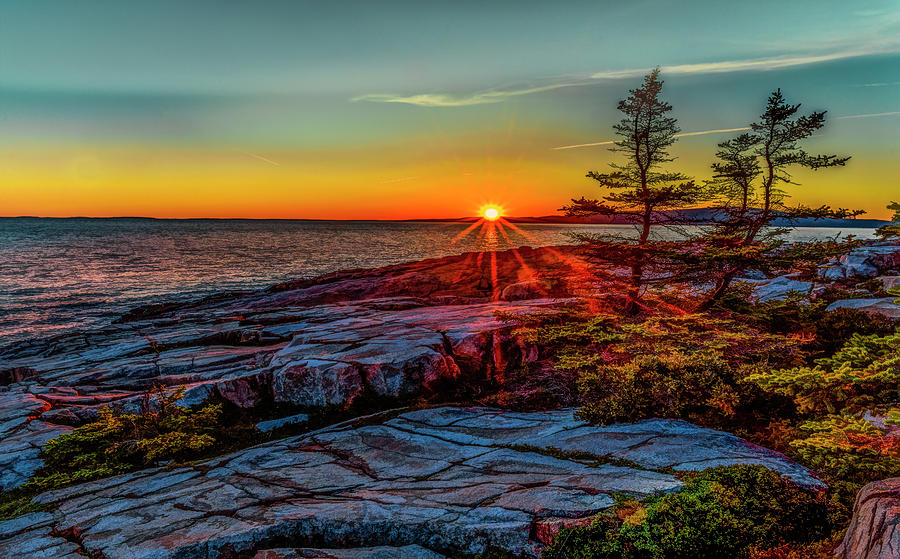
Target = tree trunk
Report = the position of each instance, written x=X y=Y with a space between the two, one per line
x=632 y=305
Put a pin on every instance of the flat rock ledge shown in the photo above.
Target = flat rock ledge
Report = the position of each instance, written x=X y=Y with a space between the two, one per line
x=874 y=531
x=422 y=484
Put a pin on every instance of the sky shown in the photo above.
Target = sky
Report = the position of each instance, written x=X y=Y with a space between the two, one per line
x=393 y=110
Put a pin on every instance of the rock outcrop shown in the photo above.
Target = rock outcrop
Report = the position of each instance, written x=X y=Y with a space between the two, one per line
x=874 y=531
x=397 y=332
x=885 y=306
x=426 y=483
x=865 y=262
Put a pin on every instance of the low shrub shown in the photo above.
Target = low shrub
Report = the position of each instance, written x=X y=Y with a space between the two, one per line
x=721 y=512
x=850 y=401
x=685 y=366
x=121 y=442
x=863 y=375
x=816 y=330
x=701 y=386
x=849 y=447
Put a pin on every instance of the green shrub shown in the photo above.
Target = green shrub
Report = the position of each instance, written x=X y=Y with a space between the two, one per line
x=835 y=393
x=577 y=339
x=815 y=329
x=721 y=512
x=830 y=330
x=864 y=374
x=848 y=447
x=120 y=442
x=688 y=366
x=674 y=384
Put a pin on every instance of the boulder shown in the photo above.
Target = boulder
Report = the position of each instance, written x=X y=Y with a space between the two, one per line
x=874 y=531
x=778 y=288
x=531 y=289
x=313 y=382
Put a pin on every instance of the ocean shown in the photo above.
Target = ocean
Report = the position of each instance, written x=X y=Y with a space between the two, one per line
x=63 y=275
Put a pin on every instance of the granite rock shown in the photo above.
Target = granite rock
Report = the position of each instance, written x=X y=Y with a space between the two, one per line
x=883 y=306
x=874 y=531
x=449 y=480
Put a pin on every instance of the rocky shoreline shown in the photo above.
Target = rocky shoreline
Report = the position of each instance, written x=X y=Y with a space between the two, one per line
x=435 y=482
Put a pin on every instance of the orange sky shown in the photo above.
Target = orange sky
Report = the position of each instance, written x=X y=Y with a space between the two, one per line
x=422 y=179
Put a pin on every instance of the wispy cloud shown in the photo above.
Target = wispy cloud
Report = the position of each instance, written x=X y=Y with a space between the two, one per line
x=870 y=115
x=752 y=65
x=498 y=95
x=398 y=179
x=700 y=133
x=725 y=130
x=448 y=100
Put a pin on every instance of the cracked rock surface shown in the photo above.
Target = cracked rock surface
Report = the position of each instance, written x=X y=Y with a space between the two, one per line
x=22 y=435
x=423 y=484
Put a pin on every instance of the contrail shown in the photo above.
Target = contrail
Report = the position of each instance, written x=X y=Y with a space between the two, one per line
x=700 y=133
x=260 y=157
x=890 y=113
x=723 y=130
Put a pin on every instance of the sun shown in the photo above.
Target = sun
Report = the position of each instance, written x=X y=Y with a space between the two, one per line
x=491 y=214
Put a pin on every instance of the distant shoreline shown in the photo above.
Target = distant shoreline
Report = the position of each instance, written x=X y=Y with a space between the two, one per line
x=545 y=220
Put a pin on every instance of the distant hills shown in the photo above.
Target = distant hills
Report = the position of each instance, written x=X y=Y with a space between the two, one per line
x=699 y=215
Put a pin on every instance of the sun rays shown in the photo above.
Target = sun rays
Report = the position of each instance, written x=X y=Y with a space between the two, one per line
x=492 y=233
x=543 y=273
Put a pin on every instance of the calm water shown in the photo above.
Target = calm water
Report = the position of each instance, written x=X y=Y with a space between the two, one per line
x=59 y=275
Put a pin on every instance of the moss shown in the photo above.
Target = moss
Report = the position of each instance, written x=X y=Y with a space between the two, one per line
x=721 y=512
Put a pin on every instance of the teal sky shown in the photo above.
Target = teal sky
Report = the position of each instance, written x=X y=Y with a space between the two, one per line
x=435 y=80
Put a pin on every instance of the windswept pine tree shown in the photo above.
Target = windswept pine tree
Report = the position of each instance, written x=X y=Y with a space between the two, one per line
x=749 y=177
x=639 y=190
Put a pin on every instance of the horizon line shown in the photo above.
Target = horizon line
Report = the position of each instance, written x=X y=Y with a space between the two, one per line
x=419 y=219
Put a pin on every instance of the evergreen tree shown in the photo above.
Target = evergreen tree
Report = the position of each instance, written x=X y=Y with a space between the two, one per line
x=750 y=175
x=638 y=190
